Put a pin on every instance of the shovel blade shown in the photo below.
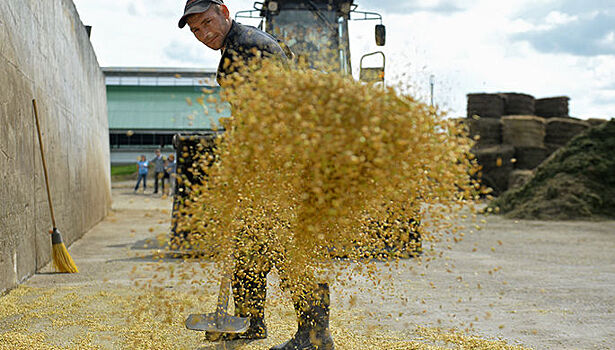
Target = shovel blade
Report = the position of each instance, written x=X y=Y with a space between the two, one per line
x=211 y=323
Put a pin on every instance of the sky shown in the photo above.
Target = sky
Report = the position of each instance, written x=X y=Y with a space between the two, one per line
x=540 y=47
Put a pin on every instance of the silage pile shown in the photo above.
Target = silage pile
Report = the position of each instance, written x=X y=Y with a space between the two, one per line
x=576 y=182
x=314 y=163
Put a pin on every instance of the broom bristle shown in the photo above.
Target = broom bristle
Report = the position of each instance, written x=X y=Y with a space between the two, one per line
x=61 y=259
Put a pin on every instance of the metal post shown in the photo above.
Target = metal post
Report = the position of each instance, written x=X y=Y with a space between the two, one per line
x=431 y=84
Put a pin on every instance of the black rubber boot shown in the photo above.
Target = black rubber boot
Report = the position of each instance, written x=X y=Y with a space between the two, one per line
x=313 y=323
x=249 y=294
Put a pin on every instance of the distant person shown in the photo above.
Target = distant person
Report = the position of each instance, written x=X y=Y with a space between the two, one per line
x=158 y=163
x=169 y=172
x=142 y=169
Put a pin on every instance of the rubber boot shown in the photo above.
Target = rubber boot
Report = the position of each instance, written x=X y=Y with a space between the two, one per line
x=313 y=323
x=249 y=295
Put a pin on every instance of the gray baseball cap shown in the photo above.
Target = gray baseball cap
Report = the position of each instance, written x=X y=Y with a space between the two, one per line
x=196 y=6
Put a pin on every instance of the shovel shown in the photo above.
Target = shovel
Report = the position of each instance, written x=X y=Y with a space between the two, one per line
x=219 y=321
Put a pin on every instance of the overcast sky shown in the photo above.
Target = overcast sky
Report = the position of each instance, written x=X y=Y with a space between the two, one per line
x=540 y=47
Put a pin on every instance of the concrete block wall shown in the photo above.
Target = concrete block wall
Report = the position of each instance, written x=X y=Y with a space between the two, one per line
x=45 y=54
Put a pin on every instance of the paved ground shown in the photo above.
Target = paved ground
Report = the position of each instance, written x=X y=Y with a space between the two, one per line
x=544 y=285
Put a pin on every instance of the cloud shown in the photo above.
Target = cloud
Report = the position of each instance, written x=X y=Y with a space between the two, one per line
x=572 y=27
x=466 y=44
x=190 y=53
x=405 y=7
x=132 y=9
x=604 y=97
x=539 y=10
x=154 y=8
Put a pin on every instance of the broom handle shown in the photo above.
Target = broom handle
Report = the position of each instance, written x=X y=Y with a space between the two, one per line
x=40 y=143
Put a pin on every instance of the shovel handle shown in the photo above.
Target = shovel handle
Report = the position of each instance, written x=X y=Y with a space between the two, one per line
x=223 y=297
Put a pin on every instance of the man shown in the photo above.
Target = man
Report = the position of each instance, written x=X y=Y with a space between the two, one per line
x=170 y=168
x=211 y=24
x=158 y=162
x=142 y=165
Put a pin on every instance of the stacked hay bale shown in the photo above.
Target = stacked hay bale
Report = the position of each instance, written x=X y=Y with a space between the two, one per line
x=526 y=133
x=532 y=128
x=497 y=166
x=495 y=151
x=552 y=107
x=486 y=131
x=483 y=120
x=577 y=182
x=485 y=105
x=561 y=130
x=518 y=104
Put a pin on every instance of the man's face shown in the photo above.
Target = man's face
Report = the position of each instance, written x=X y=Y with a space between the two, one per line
x=157 y=153
x=211 y=26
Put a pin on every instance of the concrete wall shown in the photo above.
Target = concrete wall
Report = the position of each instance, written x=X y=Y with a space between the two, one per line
x=45 y=54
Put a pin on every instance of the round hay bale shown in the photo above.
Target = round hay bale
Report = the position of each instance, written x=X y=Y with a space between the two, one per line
x=552 y=107
x=523 y=131
x=596 y=121
x=497 y=180
x=518 y=178
x=485 y=105
x=497 y=166
x=562 y=130
x=495 y=157
x=530 y=157
x=518 y=104
x=488 y=129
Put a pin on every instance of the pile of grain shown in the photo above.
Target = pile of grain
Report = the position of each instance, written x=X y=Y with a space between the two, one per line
x=132 y=318
x=576 y=182
x=311 y=162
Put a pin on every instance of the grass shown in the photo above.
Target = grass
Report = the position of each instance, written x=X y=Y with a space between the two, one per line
x=123 y=172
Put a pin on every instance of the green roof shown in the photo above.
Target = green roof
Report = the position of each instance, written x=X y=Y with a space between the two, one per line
x=164 y=107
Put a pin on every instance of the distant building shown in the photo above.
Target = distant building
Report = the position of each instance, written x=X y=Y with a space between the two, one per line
x=147 y=106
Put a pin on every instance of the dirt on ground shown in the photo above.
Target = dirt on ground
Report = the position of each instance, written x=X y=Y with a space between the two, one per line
x=510 y=284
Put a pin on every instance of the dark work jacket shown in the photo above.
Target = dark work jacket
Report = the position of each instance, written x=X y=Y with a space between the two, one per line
x=239 y=47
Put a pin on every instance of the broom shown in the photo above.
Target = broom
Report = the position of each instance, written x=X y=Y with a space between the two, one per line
x=61 y=259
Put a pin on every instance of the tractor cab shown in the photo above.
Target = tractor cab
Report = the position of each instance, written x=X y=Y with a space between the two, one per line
x=316 y=31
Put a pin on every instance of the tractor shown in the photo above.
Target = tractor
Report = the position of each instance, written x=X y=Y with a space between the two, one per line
x=316 y=32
